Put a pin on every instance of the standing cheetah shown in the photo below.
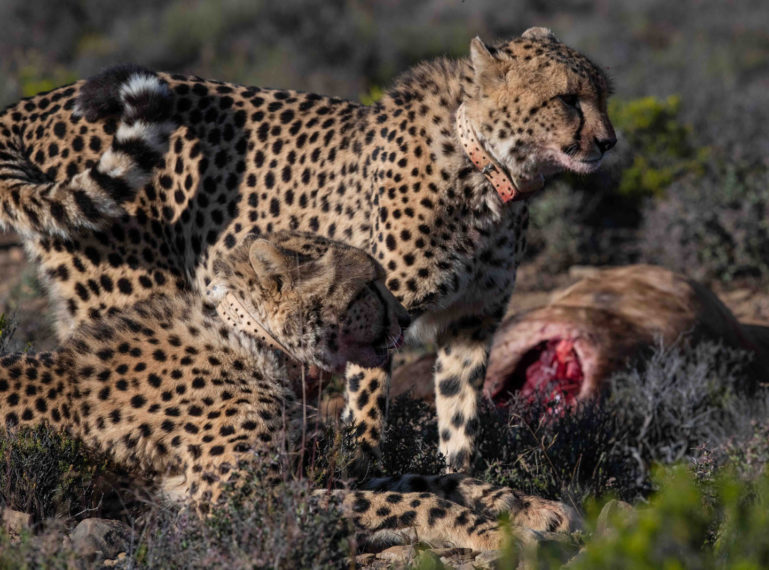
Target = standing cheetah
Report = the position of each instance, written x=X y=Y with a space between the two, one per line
x=431 y=181
x=167 y=389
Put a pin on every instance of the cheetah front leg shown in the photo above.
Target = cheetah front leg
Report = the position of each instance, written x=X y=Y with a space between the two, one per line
x=460 y=369
x=365 y=403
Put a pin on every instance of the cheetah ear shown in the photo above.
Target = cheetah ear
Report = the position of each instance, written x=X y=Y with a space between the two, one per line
x=484 y=63
x=347 y=266
x=272 y=267
x=539 y=33
x=316 y=277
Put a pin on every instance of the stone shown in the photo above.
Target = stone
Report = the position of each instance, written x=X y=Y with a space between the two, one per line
x=454 y=557
x=486 y=559
x=398 y=554
x=364 y=559
x=612 y=512
x=14 y=522
x=96 y=538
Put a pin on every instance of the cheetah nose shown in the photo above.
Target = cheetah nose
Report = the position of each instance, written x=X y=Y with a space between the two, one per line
x=606 y=144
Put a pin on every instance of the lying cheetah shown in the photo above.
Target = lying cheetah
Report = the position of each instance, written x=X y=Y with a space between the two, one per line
x=167 y=389
x=431 y=181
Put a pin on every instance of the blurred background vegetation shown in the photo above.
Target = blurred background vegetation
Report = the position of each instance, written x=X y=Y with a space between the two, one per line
x=685 y=188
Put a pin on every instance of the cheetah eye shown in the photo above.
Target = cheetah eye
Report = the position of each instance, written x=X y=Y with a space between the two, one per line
x=570 y=100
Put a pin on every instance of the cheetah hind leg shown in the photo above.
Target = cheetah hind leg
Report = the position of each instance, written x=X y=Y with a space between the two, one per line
x=387 y=518
x=525 y=510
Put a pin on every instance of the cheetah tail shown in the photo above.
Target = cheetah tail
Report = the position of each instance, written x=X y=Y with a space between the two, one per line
x=32 y=203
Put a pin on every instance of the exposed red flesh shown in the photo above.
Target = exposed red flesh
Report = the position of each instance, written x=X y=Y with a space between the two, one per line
x=557 y=375
x=551 y=372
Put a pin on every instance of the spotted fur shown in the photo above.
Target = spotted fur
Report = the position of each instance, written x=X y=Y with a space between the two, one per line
x=390 y=178
x=169 y=391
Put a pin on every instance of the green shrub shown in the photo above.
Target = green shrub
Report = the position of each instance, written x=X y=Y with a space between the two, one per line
x=659 y=145
x=683 y=525
x=681 y=528
x=34 y=79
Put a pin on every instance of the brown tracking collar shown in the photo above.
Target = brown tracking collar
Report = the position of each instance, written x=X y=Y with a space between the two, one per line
x=489 y=167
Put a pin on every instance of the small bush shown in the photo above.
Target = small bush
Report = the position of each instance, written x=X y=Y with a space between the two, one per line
x=47 y=474
x=681 y=397
x=568 y=456
x=746 y=452
x=411 y=439
x=715 y=227
x=259 y=526
x=574 y=225
x=7 y=328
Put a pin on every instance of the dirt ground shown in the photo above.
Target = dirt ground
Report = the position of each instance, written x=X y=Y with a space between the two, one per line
x=22 y=296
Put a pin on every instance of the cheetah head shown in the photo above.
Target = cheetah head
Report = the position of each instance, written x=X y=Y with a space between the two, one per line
x=539 y=107
x=324 y=302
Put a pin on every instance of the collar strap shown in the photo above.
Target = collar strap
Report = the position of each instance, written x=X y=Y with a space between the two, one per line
x=483 y=161
x=233 y=312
